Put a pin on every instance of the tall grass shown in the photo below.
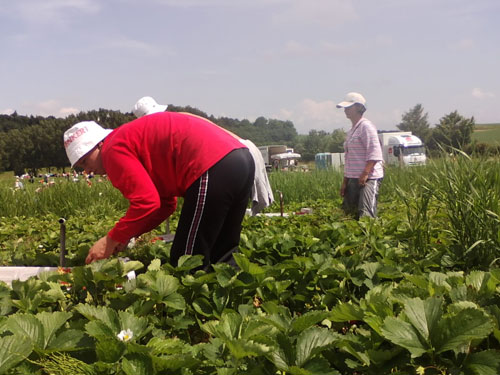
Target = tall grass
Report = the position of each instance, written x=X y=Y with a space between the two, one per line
x=450 y=206
x=469 y=189
x=303 y=186
x=454 y=202
x=64 y=198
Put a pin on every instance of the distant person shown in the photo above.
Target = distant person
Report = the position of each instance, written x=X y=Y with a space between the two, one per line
x=18 y=184
x=363 y=169
x=147 y=106
x=157 y=158
x=262 y=194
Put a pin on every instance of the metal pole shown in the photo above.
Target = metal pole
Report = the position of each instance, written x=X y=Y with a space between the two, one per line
x=62 y=254
x=281 y=203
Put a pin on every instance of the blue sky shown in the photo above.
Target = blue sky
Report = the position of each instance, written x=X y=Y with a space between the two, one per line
x=285 y=59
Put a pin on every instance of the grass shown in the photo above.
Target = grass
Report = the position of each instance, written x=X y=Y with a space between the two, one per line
x=487 y=133
x=451 y=203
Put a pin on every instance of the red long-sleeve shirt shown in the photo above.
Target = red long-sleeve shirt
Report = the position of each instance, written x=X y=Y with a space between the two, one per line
x=154 y=159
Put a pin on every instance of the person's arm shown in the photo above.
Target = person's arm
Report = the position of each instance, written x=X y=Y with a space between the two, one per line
x=343 y=187
x=366 y=172
x=103 y=248
x=146 y=210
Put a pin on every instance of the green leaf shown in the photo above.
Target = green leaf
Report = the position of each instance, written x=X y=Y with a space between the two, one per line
x=202 y=306
x=424 y=315
x=161 y=346
x=284 y=355
x=229 y=326
x=244 y=263
x=282 y=323
x=354 y=350
x=311 y=342
x=138 y=325
x=105 y=314
x=175 y=301
x=51 y=322
x=13 y=349
x=189 y=262
x=166 y=285
x=320 y=366
x=307 y=320
x=96 y=328
x=459 y=330
x=70 y=339
x=137 y=364
x=403 y=334
x=132 y=265
x=174 y=362
x=344 y=312
x=27 y=325
x=109 y=350
x=483 y=363
x=240 y=348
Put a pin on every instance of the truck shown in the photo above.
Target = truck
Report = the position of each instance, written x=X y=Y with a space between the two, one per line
x=402 y=148
x=279 y=157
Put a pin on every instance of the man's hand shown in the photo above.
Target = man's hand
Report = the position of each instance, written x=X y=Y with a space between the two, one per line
x=102 y=249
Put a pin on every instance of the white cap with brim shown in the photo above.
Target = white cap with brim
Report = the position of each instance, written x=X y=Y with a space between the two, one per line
x=81 y=138
x=351 y=99
x=147 y=106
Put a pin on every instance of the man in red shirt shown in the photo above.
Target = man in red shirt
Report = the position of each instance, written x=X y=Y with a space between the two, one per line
x=157 y=158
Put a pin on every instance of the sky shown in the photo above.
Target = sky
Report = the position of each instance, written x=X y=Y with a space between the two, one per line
x=281 y=59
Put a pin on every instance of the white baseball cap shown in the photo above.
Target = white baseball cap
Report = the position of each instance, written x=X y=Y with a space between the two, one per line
x=83 y=137
x=352 y=98
x=146 y=106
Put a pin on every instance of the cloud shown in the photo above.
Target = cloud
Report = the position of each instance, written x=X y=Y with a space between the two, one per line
x=310 y=114
x=121 y=43
x=54 y=108
x=480 y=94
x=465 y=44
x=52 y=11
x=66 y=111
x=7 y=111
x=325 y=13
x=218 y=3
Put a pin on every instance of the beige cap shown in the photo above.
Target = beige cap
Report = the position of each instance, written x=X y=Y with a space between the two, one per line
x=146 y=106
x=352 y=98
x=83 y=137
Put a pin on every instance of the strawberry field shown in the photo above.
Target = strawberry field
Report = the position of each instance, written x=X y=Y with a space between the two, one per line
x=416 y=291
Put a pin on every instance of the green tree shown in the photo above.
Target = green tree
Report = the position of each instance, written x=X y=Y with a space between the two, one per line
x=416 y=121
x=334 y=142
x=3 y=155
x=453 y=130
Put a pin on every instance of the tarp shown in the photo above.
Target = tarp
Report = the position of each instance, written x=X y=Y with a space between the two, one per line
x=285 y=156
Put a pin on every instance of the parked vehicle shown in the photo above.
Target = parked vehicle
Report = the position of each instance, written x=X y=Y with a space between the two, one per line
x=279 y=157
x=402 y=148
x=328 y=160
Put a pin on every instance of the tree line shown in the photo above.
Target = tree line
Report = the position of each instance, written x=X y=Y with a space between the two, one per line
x=30 y=143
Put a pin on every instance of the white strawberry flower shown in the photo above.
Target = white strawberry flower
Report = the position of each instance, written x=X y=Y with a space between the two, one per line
x=125 y=335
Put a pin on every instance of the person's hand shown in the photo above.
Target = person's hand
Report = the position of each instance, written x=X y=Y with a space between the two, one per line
x=120 y=247
x=342 y=189
x=362 y=179
x=102 y=249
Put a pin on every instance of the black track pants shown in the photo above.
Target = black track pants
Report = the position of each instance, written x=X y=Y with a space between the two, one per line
x=213 y=209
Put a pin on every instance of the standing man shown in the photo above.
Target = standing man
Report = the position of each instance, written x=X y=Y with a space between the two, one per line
x=262 y=193
x=157 y=158
x=363 y=169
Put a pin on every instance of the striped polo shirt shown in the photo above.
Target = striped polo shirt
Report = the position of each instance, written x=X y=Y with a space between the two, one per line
x=362 y=144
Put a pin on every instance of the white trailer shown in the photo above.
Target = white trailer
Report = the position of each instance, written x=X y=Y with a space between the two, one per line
x=402 y=148
x=279 y=157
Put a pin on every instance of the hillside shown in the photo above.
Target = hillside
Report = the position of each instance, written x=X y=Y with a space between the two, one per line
x=487 y=133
